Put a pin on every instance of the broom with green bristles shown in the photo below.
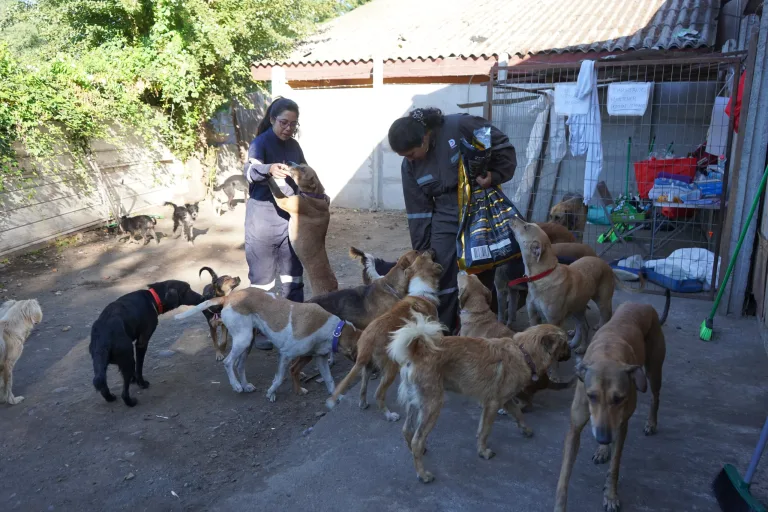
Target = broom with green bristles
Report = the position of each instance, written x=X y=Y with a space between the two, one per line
x=705 y=332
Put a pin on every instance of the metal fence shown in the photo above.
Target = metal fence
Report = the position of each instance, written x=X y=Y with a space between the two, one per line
x=658 y=193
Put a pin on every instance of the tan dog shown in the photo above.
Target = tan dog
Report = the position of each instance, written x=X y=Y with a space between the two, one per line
x=17 y=318
x=295 y=329
x=571 y=213
x=610 y=375
x=559 y=292
x=556 y=233
x=372 y=347
x=478 y=321
x=492 y=371
x=509 y=297
x=310 y=216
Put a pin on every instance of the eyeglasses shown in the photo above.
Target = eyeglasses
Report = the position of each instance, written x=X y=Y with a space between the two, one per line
x=284 y=123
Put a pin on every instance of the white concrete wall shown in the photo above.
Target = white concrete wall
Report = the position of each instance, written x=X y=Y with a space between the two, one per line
x=344 y=136
x=131 y=177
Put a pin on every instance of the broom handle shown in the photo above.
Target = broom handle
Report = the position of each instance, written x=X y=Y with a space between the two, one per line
x=626 y=178
x=758 y=453
x=743 y=235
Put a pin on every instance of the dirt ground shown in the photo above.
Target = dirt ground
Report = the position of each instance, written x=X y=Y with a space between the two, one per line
x=191 y=439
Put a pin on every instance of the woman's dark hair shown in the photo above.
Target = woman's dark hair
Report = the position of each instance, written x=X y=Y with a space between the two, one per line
x=408 y=132
x=277 y=107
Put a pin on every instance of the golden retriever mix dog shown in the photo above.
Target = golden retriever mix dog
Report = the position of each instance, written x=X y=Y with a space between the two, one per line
x=571 y=213
x=492 y=371
x=372 y=346
x=308 y=226
x=17 y=318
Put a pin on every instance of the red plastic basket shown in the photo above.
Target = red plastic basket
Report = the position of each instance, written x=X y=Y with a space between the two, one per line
x=647 y=170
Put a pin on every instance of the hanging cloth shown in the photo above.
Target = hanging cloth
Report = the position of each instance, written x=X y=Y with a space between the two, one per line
x=586 y=130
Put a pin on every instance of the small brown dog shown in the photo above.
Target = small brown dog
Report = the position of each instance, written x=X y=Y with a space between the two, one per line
x=478 y=321
x=571 y=213
x=559 y=292
x=310 y=216
x=17 y=319
x=372 y=346
x=610 y=375
x=219 y=287
x=492 y=371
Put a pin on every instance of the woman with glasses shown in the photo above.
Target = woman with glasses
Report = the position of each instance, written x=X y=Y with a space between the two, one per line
x=267 y=248
x=429 y=142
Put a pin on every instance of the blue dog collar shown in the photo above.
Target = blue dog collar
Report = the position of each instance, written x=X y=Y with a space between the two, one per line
x=336 y=336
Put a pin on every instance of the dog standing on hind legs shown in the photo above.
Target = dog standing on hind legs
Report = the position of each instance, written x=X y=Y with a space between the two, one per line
x=610 y=375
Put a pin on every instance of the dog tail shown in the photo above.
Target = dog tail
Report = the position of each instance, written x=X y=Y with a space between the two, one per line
x=214 y=277
x=218 y=187
x=216 y=301
x=667 y=301
x=415 y=338
x=370 y=273
x=168 y=203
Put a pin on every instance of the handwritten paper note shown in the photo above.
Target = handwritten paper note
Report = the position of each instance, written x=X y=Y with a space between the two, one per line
x=628 y=98
x=566 y=102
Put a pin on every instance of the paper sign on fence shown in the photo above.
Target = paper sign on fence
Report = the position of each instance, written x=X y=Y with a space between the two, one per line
x=628 y=98
x=566 y=102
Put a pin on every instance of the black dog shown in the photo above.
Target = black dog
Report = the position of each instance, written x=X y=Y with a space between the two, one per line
x=133 y=317
x=142 y=224
x=185 y=216
x=219 y=287
x=230 y=186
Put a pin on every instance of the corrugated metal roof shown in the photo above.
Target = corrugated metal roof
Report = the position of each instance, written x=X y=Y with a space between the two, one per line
x=422 y=29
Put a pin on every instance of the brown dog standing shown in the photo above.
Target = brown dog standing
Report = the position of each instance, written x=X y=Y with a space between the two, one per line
x=610 y=375
x=310 y=216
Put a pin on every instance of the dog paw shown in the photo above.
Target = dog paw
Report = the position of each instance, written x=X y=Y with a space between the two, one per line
x=602 y=454
x=391 y=416
x=237 y=387
x=15 y=400
x=219 y=356
x=649 y=429
x=427 y=477
x=363 y=404
x=110 y=397
x=611 y=504
x=271 y=397
x=486 y=454
x=249 y=388
x=329 y=403
x=502 y=412
x=130 y=402
x=143 y=384
x=526 y=431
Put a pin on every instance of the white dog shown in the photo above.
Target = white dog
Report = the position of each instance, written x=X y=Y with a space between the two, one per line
x=17 y=318
x=297 y=330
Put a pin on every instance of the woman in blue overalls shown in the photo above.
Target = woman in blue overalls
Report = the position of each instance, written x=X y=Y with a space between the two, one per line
x=267 y=248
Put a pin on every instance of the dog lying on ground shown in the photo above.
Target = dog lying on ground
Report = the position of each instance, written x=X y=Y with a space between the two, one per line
x=363 y=304
x=478 y=321
x=492 y=371
x=132 y=317
x=17 y=319
x=296 y=329
x=571 y=213
x=185 y=216
x=230 y=186
x=219 y=287
x=424 y=276
x=610 y=375
x=559 y=292
x=509 y=297
x=141 y=224
x=308 y=226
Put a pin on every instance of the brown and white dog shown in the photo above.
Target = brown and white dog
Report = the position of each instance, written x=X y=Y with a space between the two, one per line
x=478 y=321
x=571 y=213
x=492 y=371
x=372 y=347
x=559 y=292
x=509 y=296
x=219 y=287
x=308 y=226
x=17 y=319
x=295 y=329
x=610 y=375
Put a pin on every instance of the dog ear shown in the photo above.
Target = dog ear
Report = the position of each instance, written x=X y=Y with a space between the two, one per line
x=536 y=249
x=637 y=373
x=171 y=299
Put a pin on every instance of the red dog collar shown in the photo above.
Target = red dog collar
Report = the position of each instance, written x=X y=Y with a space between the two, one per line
x=157 y=301
x=526 y=279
